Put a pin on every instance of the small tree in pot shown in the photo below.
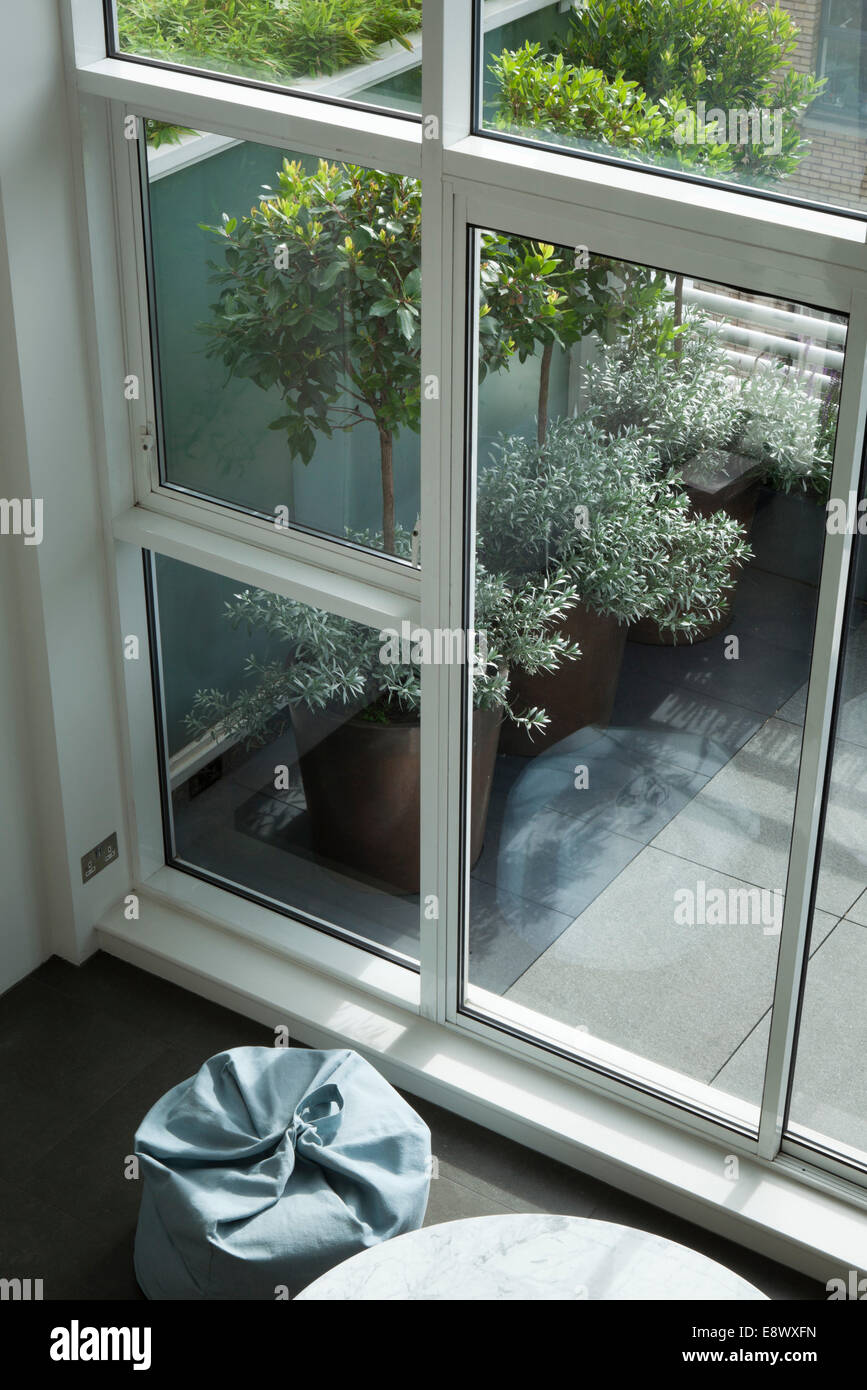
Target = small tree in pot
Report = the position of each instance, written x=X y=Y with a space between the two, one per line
x=598 y=507
x=719 y=434
x=354 y=711
x=320 y=295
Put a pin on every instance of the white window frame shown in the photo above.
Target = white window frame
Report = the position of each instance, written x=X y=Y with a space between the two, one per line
x=773 y=247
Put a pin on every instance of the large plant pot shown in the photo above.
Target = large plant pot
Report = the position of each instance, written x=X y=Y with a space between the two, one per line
x=362 y=784
x=716 y=480
x=576 y=694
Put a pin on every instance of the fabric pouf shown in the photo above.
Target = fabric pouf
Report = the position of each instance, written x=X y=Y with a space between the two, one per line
x=268 y=1167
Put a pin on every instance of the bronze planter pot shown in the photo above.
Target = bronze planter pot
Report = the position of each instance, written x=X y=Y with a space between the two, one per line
x=362 y=783
x=576 y=694
x=717 y=480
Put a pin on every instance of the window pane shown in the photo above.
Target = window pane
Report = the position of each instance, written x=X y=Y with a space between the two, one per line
x=650 y=489
x=291 y=755
x=829 y=1095
x=286 y=299
x=364 y=51
x=720 y=89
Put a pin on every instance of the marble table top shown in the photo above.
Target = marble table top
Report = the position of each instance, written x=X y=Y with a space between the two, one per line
x=528 y=1258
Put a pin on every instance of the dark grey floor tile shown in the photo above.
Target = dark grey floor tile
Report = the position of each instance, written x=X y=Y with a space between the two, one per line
x=507 y=934
x=83 y=1175
x=73 y=1260
x=678 y=726
x=450 y=1201
x=152 y=1006
x=762 y=678
x=60 y=1059
x=503 y=1171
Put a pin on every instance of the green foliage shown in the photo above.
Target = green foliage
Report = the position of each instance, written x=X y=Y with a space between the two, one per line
x=627 y=68
x=163 y=133
x=332 y=663
x=530 y=296
x=682 y=395
x=273 y=40
x=549 y=96
x=599 y=509
x=320 y=294
x=727 y=53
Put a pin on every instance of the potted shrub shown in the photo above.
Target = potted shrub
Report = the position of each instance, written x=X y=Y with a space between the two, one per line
x=719 y=435
x=354 y=712
x=531 y=298
x=599 y=507
x=320 y=290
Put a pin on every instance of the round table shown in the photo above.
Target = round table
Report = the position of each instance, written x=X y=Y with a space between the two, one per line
x=529 y=1257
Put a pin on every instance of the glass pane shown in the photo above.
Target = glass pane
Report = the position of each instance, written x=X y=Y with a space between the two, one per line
x=650 y=489
x=829 y=1094
x=364 y=51
x=291 y=754
x=721 y=89
x=286 y=302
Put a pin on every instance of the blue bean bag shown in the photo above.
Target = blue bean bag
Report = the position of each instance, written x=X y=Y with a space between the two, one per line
x=268 y=1167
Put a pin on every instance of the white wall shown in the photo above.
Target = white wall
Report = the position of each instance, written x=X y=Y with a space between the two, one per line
x=60 y=780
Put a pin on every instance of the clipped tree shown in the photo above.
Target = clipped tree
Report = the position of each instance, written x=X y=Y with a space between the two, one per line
x=320 y=293
x=533 y=297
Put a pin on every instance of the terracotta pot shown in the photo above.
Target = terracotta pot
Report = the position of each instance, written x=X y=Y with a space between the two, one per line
x=362 y=784
x=715 y=481
x=576 y=694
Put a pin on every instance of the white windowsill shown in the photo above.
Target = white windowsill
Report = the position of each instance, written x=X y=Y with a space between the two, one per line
x=376 y=1012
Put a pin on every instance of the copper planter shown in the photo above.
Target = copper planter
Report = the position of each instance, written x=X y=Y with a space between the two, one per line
x=576 y=694
x=362 y=783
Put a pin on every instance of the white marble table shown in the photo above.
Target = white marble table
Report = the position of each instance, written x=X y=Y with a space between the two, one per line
x=527 y=1258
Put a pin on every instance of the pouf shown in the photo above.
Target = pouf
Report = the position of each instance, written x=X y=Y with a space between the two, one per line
x=268 y=1167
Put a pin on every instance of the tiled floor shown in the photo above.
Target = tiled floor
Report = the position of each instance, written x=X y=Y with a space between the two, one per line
x=85 y=1052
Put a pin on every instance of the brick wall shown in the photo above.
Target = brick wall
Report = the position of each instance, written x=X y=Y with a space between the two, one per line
x=836 y=168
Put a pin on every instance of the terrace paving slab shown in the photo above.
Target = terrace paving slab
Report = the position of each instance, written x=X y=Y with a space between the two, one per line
x=682 y=996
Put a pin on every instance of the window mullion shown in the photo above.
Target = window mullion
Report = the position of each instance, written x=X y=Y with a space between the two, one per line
x=446 y=107
x=811 y=791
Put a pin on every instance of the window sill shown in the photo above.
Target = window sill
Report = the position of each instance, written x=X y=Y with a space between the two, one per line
x=372 y=1006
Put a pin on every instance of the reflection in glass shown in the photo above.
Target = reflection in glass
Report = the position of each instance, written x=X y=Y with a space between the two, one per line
x=291 y=754
x=722 y=89
x=666 y=445
x=364 y=50
x=286 y=297
x=828 y=1104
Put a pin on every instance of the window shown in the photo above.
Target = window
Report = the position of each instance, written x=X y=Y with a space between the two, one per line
x=842 y=61
x=483 y=464
x=643 y=479
x=287 y=336
x=697 y=88
x=281 y=776
x=366 y=51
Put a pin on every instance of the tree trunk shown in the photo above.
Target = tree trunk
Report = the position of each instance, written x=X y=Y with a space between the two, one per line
x=386 y=449
x=544 y=384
